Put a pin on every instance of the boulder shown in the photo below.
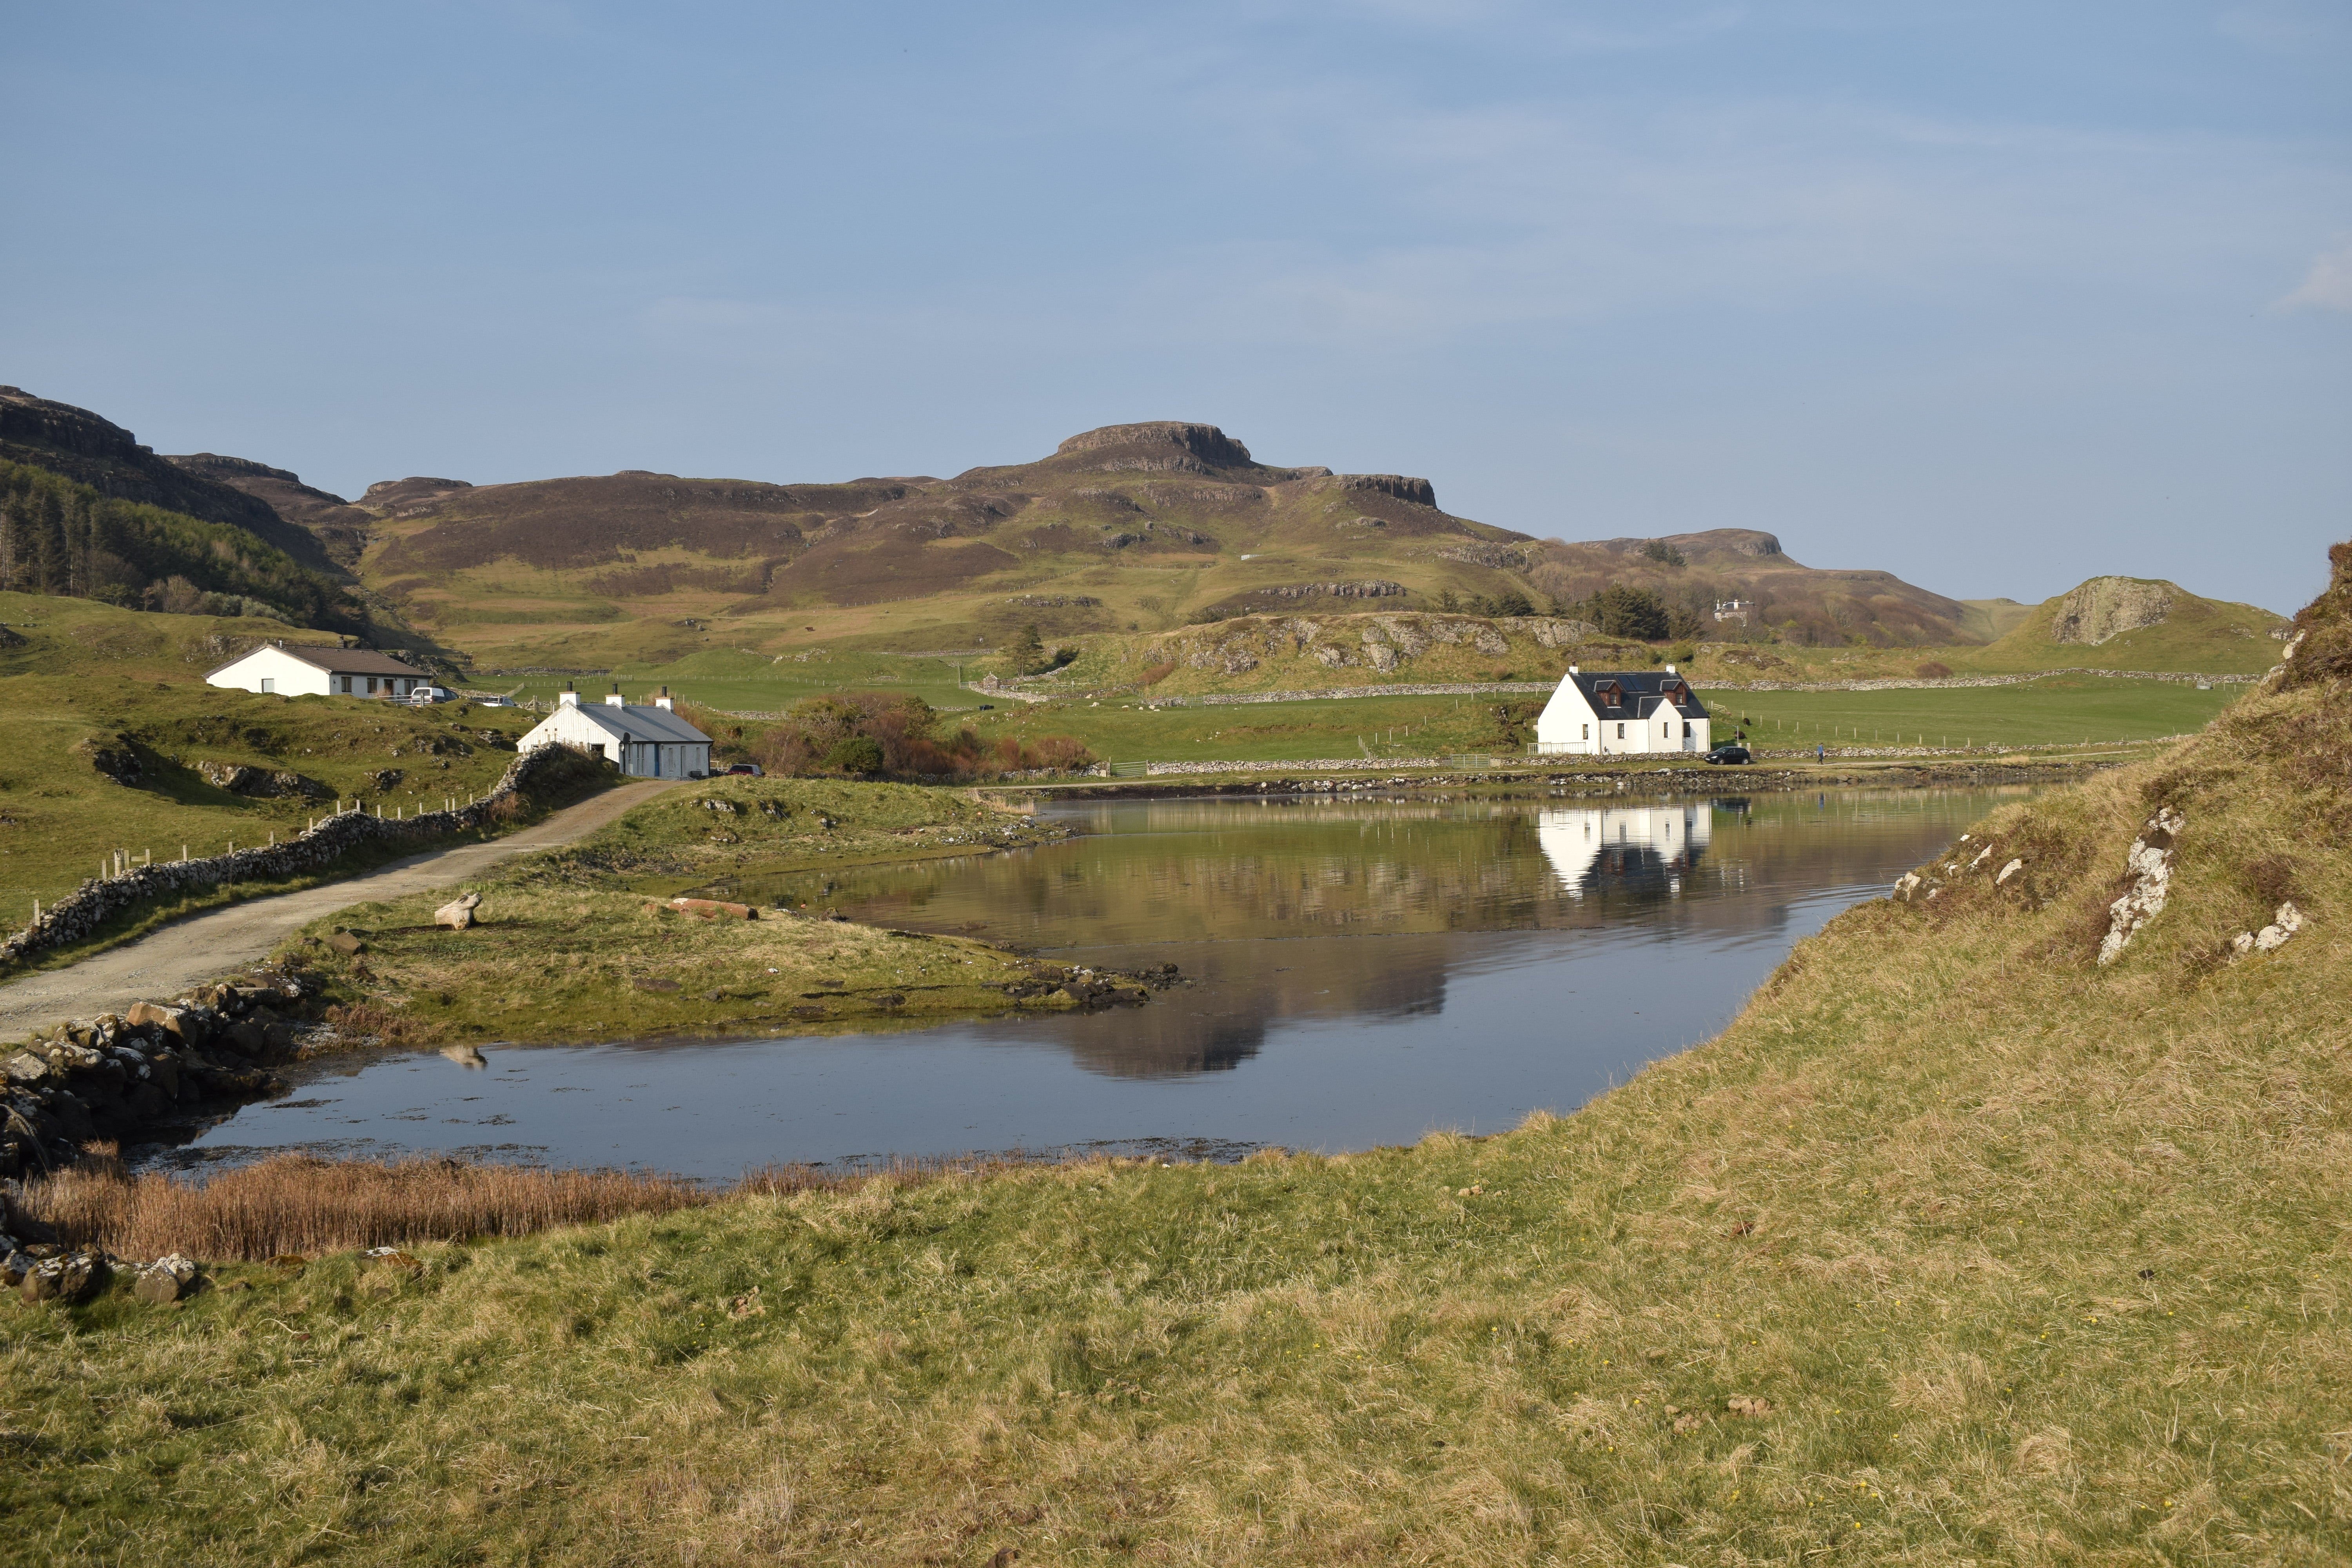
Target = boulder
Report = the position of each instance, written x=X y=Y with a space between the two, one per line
x=165 y=1281
x=458 y=913
x=712 y=909
x=343 y=941
x=24 y=1067
x=67 y=1279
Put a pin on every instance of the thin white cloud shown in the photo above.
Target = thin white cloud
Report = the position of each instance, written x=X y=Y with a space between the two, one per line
x=2326 y=286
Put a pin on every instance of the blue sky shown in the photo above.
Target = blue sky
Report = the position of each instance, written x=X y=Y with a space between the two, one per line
x=1994 y=296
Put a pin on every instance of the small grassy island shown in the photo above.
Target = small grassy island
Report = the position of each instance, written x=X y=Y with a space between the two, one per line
x=2006 y=1224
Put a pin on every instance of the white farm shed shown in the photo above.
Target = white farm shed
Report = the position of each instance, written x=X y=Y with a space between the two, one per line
x=308 y=670
x=1621 y=713
x=648 y=741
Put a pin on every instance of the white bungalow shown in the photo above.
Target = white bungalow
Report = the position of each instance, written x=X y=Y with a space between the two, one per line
x=648 y=742
x=1633 y=712
x=310 y=669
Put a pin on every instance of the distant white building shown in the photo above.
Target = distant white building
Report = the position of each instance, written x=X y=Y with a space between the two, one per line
x=1734 y=610
x=648 y=742
x=1587 y=846
x=1613 y=713
x=309 y=669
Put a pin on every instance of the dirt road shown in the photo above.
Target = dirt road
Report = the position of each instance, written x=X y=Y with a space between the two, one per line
x=205 y=947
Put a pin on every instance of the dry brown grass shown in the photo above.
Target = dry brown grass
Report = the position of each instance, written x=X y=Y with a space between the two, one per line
x=296 y=1202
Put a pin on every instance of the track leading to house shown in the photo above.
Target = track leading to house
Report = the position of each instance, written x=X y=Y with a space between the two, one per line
x=203 y=947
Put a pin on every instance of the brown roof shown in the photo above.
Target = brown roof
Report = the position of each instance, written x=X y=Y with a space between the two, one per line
x=344 y=660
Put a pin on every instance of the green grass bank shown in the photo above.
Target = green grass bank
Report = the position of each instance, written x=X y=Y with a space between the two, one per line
x=583 y=944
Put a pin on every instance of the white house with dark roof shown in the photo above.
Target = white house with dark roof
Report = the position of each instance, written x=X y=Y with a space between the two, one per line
x=1621 y=713
x=648 y=741
x=310 y=669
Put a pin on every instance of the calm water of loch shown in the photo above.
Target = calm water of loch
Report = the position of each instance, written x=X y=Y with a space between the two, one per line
x=1361 y=972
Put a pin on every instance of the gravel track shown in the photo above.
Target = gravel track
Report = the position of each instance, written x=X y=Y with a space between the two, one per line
x=203 y=947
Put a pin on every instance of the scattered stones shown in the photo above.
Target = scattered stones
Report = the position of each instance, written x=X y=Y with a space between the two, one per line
x=1747 y=1404
x=654 y=983
x=2272 y=936
x=2150 y=865
x=458 y=913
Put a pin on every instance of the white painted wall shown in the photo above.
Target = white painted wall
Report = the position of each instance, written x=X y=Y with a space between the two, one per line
x=276 y=671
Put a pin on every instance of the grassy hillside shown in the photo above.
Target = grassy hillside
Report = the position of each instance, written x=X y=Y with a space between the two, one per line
x=114 y=726
x=1139 y=528
x=2191 y=633
x=1956 y=1246
x=61 y=537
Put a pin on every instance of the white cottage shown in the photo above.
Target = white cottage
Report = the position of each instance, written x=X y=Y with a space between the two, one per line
x=1621 y=713
x=648 y=742
x=309 y=669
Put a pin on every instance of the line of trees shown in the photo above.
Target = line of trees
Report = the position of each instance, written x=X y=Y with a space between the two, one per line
x=61 y=537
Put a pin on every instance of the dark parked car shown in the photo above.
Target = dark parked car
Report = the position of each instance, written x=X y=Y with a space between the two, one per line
x=745 y=769
x=1729 y=754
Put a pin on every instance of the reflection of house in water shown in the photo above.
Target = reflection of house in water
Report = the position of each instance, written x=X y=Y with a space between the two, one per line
x=1633 y=844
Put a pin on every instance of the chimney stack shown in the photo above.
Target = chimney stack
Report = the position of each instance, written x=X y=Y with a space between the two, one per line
x=664 y=702
x=1571 y=669
x=568 y=697
x=613 y=699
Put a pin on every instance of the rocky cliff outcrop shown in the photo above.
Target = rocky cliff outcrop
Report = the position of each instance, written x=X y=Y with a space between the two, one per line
x=2107 y=607
x=101 y=454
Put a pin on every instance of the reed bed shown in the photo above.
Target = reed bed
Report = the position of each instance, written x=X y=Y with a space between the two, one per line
x=297 y=1203
x=302 y=1203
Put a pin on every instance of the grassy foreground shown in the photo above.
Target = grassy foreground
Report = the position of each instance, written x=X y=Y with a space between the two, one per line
x=1955 y=1247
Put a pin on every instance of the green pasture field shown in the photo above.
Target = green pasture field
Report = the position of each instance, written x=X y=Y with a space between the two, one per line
x=1123 y=730
x=742 y=682
x=2057 y=710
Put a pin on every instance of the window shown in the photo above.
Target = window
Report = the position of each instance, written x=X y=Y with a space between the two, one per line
x=1621 y=731
x=268 y=683
x=1686 y=730
x=1587 y=732
x=347 y=684
x=1667 y=730
x=371 y=690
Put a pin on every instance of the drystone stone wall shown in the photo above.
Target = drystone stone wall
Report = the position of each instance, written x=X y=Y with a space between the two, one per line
x=99 y=899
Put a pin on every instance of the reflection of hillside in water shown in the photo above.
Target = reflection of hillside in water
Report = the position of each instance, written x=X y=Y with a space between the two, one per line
x=1226 y=890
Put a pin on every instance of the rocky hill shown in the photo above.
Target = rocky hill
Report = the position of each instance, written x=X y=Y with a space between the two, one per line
x=1777 y=596
x=2139 y=623
x=1132 y=529
x=340 y=529
x=82 y=446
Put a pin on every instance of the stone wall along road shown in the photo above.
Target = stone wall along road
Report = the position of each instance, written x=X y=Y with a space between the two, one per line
x=205 y=947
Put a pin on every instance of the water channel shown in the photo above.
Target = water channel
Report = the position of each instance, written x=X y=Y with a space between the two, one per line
x=1361 y=971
